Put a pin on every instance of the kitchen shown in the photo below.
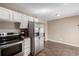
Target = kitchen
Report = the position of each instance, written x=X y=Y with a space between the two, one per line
x=20 y=34
x=39 y=29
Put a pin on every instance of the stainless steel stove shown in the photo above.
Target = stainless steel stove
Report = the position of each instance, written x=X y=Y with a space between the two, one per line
x=10 y=44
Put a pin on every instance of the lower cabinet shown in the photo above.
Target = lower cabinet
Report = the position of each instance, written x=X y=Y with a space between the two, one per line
x=26 y=48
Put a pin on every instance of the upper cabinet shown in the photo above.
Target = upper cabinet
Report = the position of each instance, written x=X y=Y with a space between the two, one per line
x=10 y=15
x=24 y=21
x=16 y=16
x=36 y=20
x=24 y=18
x=30 y=18
x=4 y=14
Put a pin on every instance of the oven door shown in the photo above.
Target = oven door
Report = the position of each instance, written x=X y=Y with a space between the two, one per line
x=11 y=49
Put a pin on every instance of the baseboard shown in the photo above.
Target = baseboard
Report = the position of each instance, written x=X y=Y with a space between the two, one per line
x=64 y=43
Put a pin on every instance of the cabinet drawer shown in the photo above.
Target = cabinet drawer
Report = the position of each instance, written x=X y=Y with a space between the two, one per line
x=27 y=46
x=27 y=43
x=27 y=51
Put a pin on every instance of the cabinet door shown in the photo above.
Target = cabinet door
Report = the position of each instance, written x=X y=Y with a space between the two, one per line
x=36 y=20
x=4 y=14
x=30 y=18
x=26 y=46
x=26 y=52
x=16 y=16
x=27 y=42
x=25 y=18
x=24 y=22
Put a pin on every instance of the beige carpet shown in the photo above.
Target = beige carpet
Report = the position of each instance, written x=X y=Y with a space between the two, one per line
x=58 y=49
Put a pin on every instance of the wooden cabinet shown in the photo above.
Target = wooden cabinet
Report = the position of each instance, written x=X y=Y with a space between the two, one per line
x=27 y=46
x=4 y=14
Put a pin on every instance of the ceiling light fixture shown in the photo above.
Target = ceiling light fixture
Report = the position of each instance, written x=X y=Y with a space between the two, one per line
x=57 y=14
x=42 y=11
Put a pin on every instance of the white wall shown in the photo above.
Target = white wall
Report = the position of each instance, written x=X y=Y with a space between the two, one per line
x=8 y=27
x=46 y=33
x=65 y=30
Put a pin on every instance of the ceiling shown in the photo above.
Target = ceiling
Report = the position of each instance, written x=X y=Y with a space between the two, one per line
x=45 y=11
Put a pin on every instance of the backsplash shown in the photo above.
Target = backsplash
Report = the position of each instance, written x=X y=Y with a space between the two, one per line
x=9 y=26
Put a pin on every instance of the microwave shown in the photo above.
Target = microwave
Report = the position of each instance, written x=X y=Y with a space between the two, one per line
x=12 y=49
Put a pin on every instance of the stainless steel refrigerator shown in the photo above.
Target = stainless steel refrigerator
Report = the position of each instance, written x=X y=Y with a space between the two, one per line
x=36 y=33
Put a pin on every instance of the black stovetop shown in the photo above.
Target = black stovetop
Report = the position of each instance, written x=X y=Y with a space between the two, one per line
x=10 y=38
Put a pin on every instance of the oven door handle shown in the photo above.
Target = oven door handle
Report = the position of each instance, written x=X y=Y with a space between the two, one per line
x=8 y=45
